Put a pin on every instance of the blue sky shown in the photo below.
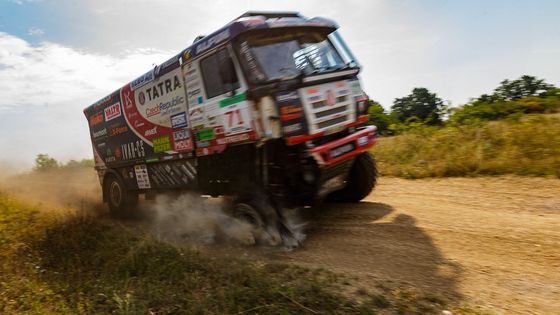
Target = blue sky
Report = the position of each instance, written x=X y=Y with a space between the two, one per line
x=57 y=56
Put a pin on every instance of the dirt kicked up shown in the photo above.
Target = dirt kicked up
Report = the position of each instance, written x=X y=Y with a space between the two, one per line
x=493 y=242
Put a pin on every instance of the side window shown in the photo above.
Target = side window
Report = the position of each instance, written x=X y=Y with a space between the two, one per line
x=218 y=73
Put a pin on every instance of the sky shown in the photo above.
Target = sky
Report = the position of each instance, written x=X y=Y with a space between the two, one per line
x=59 y=56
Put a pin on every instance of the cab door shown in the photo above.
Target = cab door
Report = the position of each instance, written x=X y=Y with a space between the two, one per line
x=219 y=112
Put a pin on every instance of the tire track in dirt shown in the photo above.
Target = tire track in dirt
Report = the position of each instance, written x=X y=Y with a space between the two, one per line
x=493 y=242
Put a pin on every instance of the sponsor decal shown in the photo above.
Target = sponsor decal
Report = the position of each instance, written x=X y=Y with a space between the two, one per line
x=206 y=44
x=193 y=93
x=141 y=98
x=179 y=120
x=205 y=134
x=142 y=80
x=162 y=88
x=202 y=144
x=343 y=92
x=182 y=145
x=112 y=111
x=290 y=109
x=233 y=100
x=162 y=144
x=96 y=119
x=343 y=149
x=151 y=132
x=291 y=113
x=142 y=178
x=181 y=135
x=196 y=114
x=231 y=139
x=99 y=133
x=292 y=128
x=128 y=99
x=200 y=100
x=287 y=96
x=312 y=90
x=330 y=98
x=101 y=145
x=315 y=98
x=133 y=150
x=164 y=107
x=118 y=130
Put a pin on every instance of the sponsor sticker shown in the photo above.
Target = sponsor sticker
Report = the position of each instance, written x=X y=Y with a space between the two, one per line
x=99 y=133
x=118 y=130
x=96 y=119
x=151 y=132
x=132 y=150
x=162 y=144
x=181 y=135
x=179 y=120
x=182 y=145
x=206 y=134
x=142 y=177
x=112 y=111
x=231 y=139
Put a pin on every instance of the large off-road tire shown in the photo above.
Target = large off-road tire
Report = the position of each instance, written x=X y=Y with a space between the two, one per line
x=122 y=203
x=361 y=180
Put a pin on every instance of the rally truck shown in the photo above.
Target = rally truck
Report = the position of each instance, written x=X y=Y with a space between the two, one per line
x=267 y=111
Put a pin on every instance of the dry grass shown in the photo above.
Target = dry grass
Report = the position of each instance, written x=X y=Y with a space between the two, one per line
x=89 y=265
x=527 y=146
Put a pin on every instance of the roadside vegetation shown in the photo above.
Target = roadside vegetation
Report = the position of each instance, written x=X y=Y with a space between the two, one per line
x=87 y=265
x=514 y=130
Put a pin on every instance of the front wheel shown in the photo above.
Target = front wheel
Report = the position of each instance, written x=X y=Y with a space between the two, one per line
x=122 y=203
x=361 y=180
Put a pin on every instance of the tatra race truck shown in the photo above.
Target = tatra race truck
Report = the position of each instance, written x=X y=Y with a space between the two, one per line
x=267 y=111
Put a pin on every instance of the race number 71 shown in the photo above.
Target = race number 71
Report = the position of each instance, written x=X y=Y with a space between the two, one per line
x=234 y=117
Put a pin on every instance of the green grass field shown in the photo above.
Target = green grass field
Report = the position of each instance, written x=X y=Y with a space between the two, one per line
x=529 y=145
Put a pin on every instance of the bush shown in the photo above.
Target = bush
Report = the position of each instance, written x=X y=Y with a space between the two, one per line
x=527 y=145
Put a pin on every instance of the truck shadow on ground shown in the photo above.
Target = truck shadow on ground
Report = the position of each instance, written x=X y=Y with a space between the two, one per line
x=362 y=240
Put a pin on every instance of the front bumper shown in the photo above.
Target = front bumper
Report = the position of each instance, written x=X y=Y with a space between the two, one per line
x=345 y=148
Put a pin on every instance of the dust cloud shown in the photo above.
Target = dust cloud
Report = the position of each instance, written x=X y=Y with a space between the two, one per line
x=200 y=220
x=191 y=218
x=184 y=217
x=73 y=189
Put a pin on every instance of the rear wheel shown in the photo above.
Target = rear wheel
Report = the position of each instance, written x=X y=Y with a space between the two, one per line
x=122 y=203
x=361 y=180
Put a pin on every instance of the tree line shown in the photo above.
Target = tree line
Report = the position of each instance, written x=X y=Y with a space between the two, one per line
x=512 y=98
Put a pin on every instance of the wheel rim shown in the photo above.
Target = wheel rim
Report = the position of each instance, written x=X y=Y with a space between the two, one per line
x=115 y=193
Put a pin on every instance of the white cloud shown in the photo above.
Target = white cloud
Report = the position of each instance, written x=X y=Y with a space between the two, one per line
x=34 y=31
x=46 y=87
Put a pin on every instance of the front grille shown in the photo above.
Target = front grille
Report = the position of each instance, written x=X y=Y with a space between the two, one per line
x=329 y=112
x=332 y=122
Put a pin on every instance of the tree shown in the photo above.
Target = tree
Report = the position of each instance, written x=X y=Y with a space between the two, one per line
x=523 y=87
x=421 y=104
x=380 y=118
x=43 y=162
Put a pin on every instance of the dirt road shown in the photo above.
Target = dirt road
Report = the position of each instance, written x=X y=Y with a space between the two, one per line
x=493 y=242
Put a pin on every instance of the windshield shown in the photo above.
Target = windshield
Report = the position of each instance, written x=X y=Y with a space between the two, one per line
x=289 y=55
